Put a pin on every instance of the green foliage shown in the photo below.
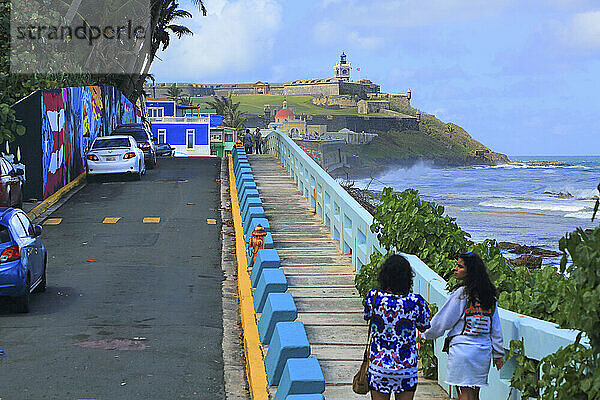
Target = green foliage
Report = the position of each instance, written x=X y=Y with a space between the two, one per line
x=405 y=223
x=411 y=225
x=425 y=353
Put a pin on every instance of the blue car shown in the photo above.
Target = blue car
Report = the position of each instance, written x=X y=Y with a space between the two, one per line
x=23 y=258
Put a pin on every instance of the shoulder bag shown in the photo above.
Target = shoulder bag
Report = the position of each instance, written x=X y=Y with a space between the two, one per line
x=360 y=383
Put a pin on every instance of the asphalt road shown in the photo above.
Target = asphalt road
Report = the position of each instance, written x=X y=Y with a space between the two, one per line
x=132 y=309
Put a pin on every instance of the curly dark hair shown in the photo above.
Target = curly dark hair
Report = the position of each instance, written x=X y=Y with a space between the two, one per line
x=478 y=285
x=396 y=275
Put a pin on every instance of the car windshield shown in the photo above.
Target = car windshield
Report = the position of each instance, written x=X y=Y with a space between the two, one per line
x=108 y=143
x=138 y=134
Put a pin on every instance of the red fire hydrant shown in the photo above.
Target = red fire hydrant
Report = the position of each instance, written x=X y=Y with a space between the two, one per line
x=257 y=241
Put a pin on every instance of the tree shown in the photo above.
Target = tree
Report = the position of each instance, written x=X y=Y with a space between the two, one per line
x=174 y=93
x=225 y=107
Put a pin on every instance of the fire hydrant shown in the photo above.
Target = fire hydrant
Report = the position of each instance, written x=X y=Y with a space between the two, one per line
x=257 y=241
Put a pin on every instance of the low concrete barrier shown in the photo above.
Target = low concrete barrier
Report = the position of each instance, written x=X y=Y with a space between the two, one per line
x=279 y=307
x=289 y=341
x=301 y=378
x=272 y=280
x=250 y=202
x=252 y=213
x=265 y=258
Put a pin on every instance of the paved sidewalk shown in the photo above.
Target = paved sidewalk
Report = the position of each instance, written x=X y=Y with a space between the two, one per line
x=321 y=279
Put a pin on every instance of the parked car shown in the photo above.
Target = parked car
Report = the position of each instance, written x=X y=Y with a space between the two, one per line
x=11 y=184
x=164 y=149
x=23 y=258
x=143 y=136
x=117 y=154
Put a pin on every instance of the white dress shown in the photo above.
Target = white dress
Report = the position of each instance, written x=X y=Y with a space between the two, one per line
x=476 y=338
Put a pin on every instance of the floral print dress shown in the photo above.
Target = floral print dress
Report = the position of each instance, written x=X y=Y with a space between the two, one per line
x=393 y=348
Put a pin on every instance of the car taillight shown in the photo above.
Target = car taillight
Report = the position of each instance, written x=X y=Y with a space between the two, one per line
x=92 y=157
x=129 y=155
x=146 y=146
x=11 y=253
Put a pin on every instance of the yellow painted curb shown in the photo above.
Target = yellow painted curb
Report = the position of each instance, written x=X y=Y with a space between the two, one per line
x=44 y=205
x=255 y=365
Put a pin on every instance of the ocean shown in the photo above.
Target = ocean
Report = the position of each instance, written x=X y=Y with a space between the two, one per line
x=519 y=203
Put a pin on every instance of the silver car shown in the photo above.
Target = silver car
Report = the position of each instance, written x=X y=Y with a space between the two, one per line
x=117 y=154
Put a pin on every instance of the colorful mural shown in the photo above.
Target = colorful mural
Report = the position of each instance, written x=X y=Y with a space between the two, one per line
x=71 y=119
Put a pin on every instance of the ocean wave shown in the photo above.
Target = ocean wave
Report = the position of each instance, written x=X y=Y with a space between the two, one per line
x=535 y=205
x=577 y=193
x=580 y=215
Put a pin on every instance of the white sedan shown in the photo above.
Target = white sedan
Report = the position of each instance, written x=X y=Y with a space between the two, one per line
x=117 y=154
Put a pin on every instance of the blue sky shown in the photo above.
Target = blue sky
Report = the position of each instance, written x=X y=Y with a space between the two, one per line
x=521 y=76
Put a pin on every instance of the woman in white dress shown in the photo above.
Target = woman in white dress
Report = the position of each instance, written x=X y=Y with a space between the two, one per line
x=475 y=335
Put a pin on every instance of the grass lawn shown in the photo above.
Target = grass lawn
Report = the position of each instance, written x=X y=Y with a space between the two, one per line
x=255 y=103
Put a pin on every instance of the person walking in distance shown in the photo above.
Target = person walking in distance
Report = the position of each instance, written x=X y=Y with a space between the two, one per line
x=258 y=141
x=248 y=142
x=394 y=313
x=475 y=337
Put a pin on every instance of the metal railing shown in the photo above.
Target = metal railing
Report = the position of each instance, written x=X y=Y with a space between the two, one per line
x=349 y=224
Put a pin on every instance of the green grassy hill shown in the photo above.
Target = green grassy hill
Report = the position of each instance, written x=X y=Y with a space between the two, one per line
x=444 y=143
x=255 y=104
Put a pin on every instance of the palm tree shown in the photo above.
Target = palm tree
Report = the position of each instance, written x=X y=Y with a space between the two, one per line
x=174 y=93
x=164 y=14
x=225 y=107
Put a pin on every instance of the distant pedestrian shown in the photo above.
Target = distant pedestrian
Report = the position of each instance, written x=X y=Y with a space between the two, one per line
x=258 y=141
x=475 y=337
x=394 y=313
x=248 y=142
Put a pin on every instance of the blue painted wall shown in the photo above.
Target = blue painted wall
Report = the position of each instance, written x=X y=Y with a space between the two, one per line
x=216 y=120
x=167 y=105
x=176 y=133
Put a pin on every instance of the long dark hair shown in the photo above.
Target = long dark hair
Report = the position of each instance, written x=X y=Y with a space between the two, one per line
x=396 y=275
x=478 y=285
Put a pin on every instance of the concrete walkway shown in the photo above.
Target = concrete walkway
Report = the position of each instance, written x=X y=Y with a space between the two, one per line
x=321 y=279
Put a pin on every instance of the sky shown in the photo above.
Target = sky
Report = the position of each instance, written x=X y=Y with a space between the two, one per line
x=518 y=75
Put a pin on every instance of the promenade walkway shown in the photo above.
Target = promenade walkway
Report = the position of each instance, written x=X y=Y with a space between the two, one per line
x=321 y=280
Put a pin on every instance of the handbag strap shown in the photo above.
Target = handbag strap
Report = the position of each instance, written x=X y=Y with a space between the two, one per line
x=366 y=355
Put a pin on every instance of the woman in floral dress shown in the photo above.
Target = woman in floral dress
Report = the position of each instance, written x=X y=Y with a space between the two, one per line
x=394 y=312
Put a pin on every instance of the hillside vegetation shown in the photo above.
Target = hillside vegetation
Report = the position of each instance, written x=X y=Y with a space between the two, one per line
x=436 y=141
x=255 y=104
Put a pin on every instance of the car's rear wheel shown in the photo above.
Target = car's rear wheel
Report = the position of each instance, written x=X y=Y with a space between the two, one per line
x=138 y=176
x=22 y=302
x=20 y=202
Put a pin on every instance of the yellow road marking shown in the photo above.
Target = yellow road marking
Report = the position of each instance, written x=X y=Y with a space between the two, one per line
x=211 y=221
x=255 y=366
x=151 y=220
x=111 y=220
x=53 y=221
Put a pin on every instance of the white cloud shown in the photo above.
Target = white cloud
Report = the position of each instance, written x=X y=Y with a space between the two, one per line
x=234 y=37
x=581 y=31
x=328 y=32
x=399 y=13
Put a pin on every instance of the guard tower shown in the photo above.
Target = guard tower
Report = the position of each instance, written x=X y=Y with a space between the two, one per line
x=342 y=69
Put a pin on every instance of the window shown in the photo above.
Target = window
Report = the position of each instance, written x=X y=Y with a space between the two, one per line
x=4 y=234
x=155 y=112
x=26 y=223
x=190 y=138
x=216 y=136
x=18 y=227
x=111 y=143
x=229 y=137
x=162 y=136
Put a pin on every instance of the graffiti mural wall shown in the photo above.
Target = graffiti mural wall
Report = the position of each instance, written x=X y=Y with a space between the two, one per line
x=71 y=119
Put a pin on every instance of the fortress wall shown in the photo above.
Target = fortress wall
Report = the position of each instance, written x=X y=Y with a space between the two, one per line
x=358 y=123
x=316 y=89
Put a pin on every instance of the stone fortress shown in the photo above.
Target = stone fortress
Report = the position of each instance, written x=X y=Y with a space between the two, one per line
x=335 y=93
